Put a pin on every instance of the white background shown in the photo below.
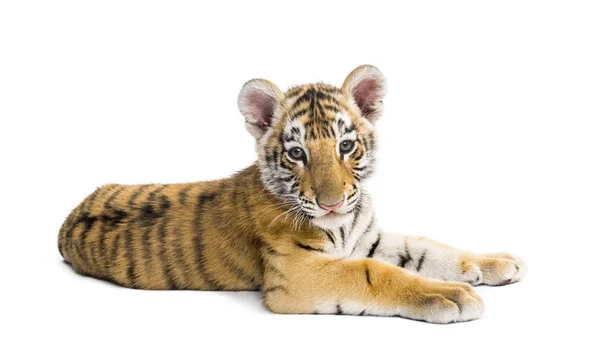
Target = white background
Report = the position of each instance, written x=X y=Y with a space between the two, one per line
x=490 y=142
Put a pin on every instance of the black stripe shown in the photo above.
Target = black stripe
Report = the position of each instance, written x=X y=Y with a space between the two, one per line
x=90 y=221
x=283 y=164
x=330 y=236
x=404 y=259
x=229 y=262
x=113 y=196
x=102 y=247
x=299 y=113
x=303 y=97
x=286 y=179
x=162 y=254
x=319 y=108
x=114 y=250
x=183 y=194
x=368 y=275
x=74 y=222
x=331 y=108
x=271 y=251
x=284 y=138
x=323 y=95
x=325 y=132
x=294 y=186
x=407 y=251
x=353 y=201
x=421 y=259
x=359 y=156
x=199 y=242
x=343 y=237
x=181 y=262
x=276 y=288
x=129 y=253
x=243 y=181
x=371 y=223
x=374 y=247
x=348 y=129
x=355 y=216
x=339 y=310
x=293 y=92
x=272 y=269
x=331 y=128
x=365 y=144
x=310 y=132
x=136 y=194
x=132 y=274
x=307 y=247
x=307 y=96
x=313 y=95
x=148 y=213
x=152 y=210
x=90 y=199
x=105 y=218
x=271 y=158
x=363 y=312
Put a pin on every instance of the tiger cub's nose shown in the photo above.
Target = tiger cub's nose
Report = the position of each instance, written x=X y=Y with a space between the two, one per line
x=331 y=207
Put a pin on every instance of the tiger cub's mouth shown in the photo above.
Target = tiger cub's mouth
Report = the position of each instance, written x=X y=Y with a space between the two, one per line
x=333 y=219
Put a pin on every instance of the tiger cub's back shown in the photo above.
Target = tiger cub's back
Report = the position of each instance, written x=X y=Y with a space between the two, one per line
x=159 y=237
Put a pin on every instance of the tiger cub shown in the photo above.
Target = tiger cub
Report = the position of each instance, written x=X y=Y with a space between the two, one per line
x=298 y=224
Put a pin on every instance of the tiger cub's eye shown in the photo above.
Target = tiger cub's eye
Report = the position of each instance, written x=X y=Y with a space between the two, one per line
x=346 y=146
x=296 y=154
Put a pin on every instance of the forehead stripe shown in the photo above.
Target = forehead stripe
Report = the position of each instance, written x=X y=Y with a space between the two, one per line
x=312 y=95
x=332 y=108
x=299 y=113
x=325 y=132
x=294 y=92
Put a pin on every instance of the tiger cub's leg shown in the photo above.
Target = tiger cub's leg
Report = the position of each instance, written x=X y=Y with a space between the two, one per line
x=429 y=258
x=308 y=281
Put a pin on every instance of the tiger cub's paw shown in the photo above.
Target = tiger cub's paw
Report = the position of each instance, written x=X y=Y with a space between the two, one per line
x=492 y=269
x=447 y=302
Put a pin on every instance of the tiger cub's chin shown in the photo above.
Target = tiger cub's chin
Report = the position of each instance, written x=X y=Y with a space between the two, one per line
x=333 y=220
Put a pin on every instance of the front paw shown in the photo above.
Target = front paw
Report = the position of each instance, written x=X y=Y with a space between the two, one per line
x=492 y=269
x=446 y=302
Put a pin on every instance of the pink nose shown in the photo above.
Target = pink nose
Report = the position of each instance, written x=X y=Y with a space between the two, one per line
x=332 y=207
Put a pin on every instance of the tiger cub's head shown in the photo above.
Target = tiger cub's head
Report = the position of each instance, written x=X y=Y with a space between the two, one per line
x=316 y=142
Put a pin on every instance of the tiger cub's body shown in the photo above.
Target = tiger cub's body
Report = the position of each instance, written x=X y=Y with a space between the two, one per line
x=181 y=236
x=298 y=224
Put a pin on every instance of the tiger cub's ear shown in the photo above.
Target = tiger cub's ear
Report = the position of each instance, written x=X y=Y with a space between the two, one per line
x=367 y=87
x=258 y=101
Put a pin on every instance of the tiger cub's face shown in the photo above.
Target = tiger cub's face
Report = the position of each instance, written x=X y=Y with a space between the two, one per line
x=316 y=142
